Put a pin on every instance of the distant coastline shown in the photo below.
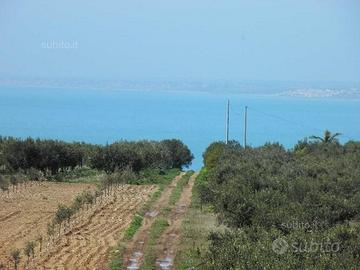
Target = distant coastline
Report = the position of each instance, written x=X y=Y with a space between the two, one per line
x=322 y=93
x=274 y=88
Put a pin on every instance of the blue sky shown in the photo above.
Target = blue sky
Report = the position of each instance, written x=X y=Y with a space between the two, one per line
x=316 y=40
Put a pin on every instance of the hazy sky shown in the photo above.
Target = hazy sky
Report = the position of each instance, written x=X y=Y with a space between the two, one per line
x=305 y=40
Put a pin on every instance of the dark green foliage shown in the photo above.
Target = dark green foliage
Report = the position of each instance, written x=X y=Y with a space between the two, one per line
x=134 y=226
x=14 y=180
x=63 y=213
x=15 y=257
x=29 y=249
x=212 y=154
x=327 y=138
x=35 y=175
x=177 y=154
x=59 y=161
x=155 y=176
x=202 y=186
x=126 y=176
x=4 y=183
x=137 y=156
x=176 y=192
x=260 y=193
x=86 y=197
x=48 y=156
x=252 y=248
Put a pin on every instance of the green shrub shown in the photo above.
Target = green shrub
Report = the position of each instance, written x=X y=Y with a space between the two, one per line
x=29 y=249
x=260 y=193
x=176 y=192
x=4 y=183
x=63 y=213
x=15 y=257
x=134 y=226
x=35 y=175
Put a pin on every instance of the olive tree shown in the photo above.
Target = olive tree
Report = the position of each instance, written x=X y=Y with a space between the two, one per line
x=4 y=183
x=29 y=250
x=14 y=181
x=15 y=257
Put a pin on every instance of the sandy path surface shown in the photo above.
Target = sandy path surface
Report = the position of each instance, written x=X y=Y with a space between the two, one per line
x=167 y=244
x=134 y=252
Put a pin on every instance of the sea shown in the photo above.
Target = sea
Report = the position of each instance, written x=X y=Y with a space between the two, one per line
x=195 y=117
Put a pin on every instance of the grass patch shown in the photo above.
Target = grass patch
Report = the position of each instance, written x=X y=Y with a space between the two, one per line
x=166 y=210
x=87 y=179
x=195 y=229
x=116 y=262
x=194 y=242
x=157 y=228
x=134 y=226
x=78 y=175
x=176 y=192
x=160 y=224
x=155 y=176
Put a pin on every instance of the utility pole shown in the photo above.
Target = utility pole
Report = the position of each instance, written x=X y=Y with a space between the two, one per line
x=245 y=126
x=227 y=121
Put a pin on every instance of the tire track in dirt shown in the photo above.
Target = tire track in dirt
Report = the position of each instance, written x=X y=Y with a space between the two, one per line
x=167 y=244
x=88 y=244
x=134 y=252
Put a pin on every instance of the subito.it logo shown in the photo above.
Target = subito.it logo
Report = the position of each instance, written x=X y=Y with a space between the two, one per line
x=280 y=246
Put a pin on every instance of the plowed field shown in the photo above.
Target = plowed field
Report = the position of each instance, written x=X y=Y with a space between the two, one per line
x=24 y=214
x=85 y=243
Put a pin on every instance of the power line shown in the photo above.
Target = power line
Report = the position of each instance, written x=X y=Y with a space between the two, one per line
x=282 y=119
x=227 y=121
x=245 y=126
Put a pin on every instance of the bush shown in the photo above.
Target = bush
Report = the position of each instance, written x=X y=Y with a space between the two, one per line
x=35 y=175
x=137 y=156
x=133 y=228
x=257 y=191
x=255 y=248
x=63 y=213
x=212 y=154
x=60 y=160
x=4 y=183
x=29 y=249
x=15 y=257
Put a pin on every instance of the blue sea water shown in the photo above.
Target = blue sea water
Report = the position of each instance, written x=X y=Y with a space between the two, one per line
x=197 y=118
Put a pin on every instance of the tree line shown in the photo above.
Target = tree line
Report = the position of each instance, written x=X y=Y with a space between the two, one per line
x=53 y=156
x=165 y=154
x=283 y=209
x=48 y=156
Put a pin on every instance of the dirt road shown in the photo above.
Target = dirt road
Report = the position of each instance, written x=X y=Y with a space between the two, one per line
x=169 y=240
x=134 y=252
